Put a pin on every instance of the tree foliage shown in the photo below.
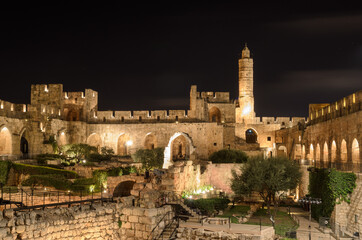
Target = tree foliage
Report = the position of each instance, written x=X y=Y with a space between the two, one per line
x=150 y=158
x=228 y=156
x=332 y=187
x=268 y=177
x=80 y=151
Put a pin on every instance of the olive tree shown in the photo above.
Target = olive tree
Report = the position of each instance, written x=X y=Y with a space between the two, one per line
x=269 y=177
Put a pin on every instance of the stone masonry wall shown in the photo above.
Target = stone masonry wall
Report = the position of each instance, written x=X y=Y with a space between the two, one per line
x=344 y=214
x=77 y=222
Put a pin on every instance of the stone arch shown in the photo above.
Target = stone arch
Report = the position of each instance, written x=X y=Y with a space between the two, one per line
x=282 y=151
x=214 y=115
x=344 y=156
x=73 y=115
x=150 y=141
x=355 y=152
x=123 y=144
x=251 y=136
x=298 y=151
x=123 y=189
x=95 y=140
x=318 y=153
x=24 y=144
x=6 y=147
x=311 y=152
x=333 y=152
x=325 y=152
x=187 y=148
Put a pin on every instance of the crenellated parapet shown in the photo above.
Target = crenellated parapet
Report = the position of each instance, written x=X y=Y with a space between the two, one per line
x=326 y=111
x=13 y=110
x=140 y=116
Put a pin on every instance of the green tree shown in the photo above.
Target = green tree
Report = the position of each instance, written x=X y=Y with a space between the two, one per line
x=228 y=156
x=150 y=158
x=80 y=151
x=269 y=177
x=107 y=151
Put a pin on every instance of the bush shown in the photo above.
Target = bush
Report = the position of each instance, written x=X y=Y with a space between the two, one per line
x=42 y=158
x=209 y=205
x=115 y=172
x=4 y=171
x=100 y=178
x=40 y=170
x=57 y=181
x=85 y=185
x=228 y=156
x=150 y=158
x=96 y=157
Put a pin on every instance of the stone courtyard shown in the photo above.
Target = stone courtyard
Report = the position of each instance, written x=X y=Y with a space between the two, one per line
x=134 y=206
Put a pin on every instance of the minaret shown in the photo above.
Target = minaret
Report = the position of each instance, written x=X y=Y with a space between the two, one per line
x=246 y=82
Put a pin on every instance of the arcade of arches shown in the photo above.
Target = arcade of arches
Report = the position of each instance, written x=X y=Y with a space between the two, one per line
x=343 y=153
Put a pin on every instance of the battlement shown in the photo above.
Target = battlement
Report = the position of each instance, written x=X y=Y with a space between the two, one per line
x=342 y=107
x=140 y=116
x=219 y=97
x=283 y=121
x=14 y=110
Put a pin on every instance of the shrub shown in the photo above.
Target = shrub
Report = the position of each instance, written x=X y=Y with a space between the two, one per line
x=96 y=157
x=209 y=205
x=40 y=170
x=228 y=156
x=4 y=171
x=332 y=187
x=150 y=158
x=100 y=177
x=42 y=158
x=85 y=185
x=114 y=172
x=57 y=181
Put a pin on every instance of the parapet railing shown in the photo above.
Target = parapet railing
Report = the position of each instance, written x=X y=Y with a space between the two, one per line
x=341 y=166
x=30 y=198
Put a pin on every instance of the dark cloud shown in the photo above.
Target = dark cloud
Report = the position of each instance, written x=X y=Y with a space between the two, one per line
x=321 y=25
x=321 y=80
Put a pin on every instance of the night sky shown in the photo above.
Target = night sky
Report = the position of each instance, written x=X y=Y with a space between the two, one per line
x=146 y=57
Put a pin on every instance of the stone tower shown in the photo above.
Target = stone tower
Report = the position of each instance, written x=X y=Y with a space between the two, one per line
x=246 y=81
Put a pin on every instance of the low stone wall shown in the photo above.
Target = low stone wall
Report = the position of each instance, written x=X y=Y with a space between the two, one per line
x=97 y=221
x=138 y=223
x=190 y=233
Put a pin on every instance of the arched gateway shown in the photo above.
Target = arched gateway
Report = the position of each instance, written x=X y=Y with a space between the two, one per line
x=180 y=147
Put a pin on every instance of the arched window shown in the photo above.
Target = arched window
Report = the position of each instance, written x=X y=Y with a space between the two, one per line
x=214 y=115
x=251 y=136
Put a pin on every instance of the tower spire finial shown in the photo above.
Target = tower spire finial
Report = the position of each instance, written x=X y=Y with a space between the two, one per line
x=245 y=53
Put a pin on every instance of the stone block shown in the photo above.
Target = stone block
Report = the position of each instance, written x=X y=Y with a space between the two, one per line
x=133 y=219
x=138 y=211
x=9 y=213
x=151 y=212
